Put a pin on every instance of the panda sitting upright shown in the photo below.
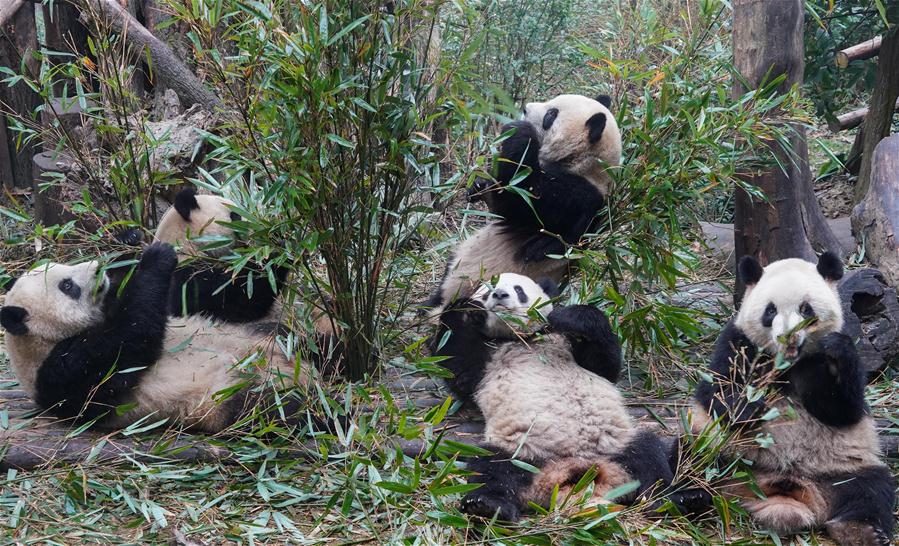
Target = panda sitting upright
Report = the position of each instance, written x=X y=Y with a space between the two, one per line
x=87 y=348
x=567 y=144
x=821 y=461
x=548 y=397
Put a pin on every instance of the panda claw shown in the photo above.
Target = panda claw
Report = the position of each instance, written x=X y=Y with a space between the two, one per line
x=489 y=506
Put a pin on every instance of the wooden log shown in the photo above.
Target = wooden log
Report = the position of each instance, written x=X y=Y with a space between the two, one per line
x=767 y=43
x=36 y=452
x=48 y=204
x=18 y=41
x=880 y=114
x=851 y=119
x=876 y=219
x=858 y=52
x=167 y=67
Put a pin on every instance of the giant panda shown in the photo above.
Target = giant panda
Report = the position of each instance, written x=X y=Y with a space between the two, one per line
x=201 y=287
x=548 y=397
x=86 y=347
x=823 y=467
x=567 y=143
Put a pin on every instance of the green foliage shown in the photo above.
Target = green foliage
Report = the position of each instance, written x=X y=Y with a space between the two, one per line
x=829 y=27
x=685 y=137
x=330 y=97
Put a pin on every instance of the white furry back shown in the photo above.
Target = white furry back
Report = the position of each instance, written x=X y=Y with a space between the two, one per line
x=201 y=358
x=539 y=395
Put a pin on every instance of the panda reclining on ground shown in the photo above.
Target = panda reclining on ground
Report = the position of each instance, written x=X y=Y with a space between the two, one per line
x=567 y=143
x=82 y=351
x=824 y=465
x=549 y=397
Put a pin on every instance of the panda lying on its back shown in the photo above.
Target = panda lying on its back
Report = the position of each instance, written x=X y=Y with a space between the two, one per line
x=82 y=351
x=824 y=465
x=548 y=397
x=567 y=143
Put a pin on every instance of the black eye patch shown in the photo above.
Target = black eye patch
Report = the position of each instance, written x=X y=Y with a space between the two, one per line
x=522 y=297
x=806 y=310
x=768 y=315
x=235 y=217
x=549 y=118
x=70 y=289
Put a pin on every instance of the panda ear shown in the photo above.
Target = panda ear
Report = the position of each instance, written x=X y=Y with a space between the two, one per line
x=750 y=270
x=595 y=126
x=605 y=100
x=8 y=284
x=548 y=286
x=12 y=319
x=830 y=267
x=186 y=201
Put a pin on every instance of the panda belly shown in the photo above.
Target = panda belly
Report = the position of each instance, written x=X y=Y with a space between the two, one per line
x=805 y=446
x=538 y=395
x=489 y=252
x=200 y=359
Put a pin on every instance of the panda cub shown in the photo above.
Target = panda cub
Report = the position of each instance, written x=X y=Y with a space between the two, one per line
x=86 y=348
x=823 y=466
x=199 y=287
x=567 y=144
x=548 y=397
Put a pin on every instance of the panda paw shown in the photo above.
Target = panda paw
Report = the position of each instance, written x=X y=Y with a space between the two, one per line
x=159 y=257
x=694 y=500
x=836 y=346
x=537 y=248
x=486 y=505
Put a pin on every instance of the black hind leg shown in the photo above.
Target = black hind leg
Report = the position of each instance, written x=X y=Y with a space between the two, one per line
x=503 y=490
x=646 y=460
x=861 y=511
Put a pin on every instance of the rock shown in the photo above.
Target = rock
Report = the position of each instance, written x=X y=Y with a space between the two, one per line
x=178 y=140
x=871 y=315
x=876 y=218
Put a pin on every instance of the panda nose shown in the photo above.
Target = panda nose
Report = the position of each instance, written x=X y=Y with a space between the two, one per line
x=500 y=295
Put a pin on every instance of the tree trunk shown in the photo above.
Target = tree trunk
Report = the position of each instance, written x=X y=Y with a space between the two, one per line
x=768 y=43
x=880 y=112
x=167 y=67
x=18 y=40
x=876 y=219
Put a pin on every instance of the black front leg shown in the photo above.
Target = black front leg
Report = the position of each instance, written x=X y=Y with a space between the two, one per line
x=593 y=343
x=733 y=368
x=73 y=378
x=467 y=352
x=520 y=153
x=830 y=381
x=503 y=490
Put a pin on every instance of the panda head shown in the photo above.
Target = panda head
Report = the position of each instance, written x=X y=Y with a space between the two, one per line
x=509 y=303
x=783 y=295
x=54 y=301
x=577 y=134
x=193 y=216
